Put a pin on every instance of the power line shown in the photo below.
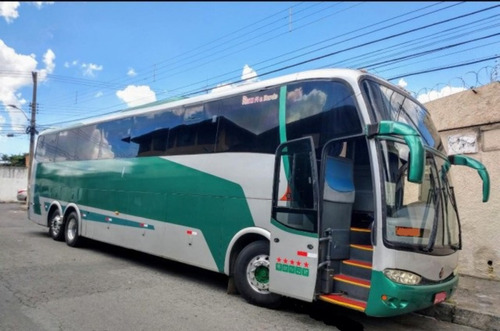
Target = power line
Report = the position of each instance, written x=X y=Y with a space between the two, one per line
x=445 y=67
x=213 y=45
x=401 y=22
x=355 y=47
x=452 y=33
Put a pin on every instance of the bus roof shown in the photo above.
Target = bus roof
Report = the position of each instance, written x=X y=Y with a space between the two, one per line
x=351 y=75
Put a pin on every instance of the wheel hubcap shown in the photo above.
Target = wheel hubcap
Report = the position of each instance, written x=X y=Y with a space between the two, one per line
x=71 y=229
x=56 y=225
x=258 y=273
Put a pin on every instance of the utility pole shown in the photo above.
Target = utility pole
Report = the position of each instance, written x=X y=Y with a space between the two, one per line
x=32 y=130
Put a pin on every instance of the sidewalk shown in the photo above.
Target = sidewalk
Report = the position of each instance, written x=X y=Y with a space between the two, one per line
x=476 y=303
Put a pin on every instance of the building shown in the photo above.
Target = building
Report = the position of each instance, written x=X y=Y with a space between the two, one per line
x=469 y=123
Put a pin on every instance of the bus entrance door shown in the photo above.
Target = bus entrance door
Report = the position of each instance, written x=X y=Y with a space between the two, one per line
x=294 y=223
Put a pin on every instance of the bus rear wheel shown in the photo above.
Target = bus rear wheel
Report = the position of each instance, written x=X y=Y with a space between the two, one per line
x=251 y=275
x=71 y=232
x=56 y=226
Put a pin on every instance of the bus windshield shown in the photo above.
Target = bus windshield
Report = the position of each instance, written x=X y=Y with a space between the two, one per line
x=389 y=104
x=418 y=216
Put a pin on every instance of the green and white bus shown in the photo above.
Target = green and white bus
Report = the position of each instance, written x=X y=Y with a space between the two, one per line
x=327 y=185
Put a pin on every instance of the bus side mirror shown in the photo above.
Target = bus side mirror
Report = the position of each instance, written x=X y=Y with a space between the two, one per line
x=412 y=139
x=474 y=164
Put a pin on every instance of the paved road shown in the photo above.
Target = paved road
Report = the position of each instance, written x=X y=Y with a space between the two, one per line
x=47 y=285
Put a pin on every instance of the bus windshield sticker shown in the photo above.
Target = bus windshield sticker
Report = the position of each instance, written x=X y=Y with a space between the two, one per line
x=258 y=99
x=402 y=231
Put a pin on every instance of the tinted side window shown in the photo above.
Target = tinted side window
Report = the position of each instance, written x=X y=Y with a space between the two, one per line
x=46 y=149
x=41 y=150
x=66 y=145
x=89 y=140
x=248 y=122
x=321 y=109
x=150 y=132
x=195 y=135
x=115 y=139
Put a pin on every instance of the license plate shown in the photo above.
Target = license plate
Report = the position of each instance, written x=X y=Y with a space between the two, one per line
x=439 y=297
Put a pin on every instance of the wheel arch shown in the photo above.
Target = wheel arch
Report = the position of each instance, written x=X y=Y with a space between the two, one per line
x=239 y=241
x=55 y=205
x=73 y=208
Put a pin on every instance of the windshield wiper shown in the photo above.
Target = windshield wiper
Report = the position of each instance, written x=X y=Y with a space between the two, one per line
x=437 y=201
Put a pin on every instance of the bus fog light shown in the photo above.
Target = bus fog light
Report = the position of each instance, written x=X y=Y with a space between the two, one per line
x=402 y=277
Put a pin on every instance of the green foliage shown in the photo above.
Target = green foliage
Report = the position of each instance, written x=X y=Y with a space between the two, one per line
x=18 y=160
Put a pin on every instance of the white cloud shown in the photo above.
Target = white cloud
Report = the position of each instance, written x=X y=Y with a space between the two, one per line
x=8 y=9
x=402 y=83
x=21 y=67
x=40 y=4
x=248 y=74
x=99 y=94
x=90 y=68
x=433 y=95
x=135 y=95
x=73 y=63
x=48 y=60
x=131 y=72
x=221 y=87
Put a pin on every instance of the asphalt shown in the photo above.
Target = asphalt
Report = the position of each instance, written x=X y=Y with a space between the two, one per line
x=476 y=303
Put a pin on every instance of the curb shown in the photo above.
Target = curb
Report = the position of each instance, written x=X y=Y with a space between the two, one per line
x=450 y=312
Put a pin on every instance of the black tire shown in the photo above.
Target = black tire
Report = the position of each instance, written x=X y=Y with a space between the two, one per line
x=71 y=232
x=56 y=225
x=251 y=275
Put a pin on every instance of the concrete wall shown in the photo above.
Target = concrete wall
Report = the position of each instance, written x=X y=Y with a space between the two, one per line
x=11 y=180
x=469 y=123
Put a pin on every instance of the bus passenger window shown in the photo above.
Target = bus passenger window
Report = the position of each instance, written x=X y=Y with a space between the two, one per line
x=115 y=141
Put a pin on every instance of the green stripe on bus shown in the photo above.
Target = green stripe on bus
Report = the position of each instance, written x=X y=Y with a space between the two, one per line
x=152 y=188
x=282 y=121
x=95 y=217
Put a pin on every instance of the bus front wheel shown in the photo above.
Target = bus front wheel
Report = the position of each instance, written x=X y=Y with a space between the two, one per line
x=251 y=275
x=71 y=232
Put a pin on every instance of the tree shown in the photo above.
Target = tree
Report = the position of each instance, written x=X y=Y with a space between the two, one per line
x=18 y=160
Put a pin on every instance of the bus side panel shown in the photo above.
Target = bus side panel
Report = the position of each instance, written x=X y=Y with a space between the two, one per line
x=176 y=242
x=152 y=189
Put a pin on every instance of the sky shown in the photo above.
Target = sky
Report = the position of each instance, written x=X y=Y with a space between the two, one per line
x=93 y=58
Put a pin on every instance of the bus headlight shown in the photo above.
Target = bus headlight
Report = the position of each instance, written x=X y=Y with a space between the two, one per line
x=402 y=277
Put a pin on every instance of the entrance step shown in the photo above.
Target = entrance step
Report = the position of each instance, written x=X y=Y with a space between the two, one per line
x=361 y=252
x=356 y=268
x=354 y=287
x=360 y=236
x=345 y=301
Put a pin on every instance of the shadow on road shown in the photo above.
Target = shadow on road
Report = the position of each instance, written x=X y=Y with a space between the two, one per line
x=331 y=315
x=163 y=265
